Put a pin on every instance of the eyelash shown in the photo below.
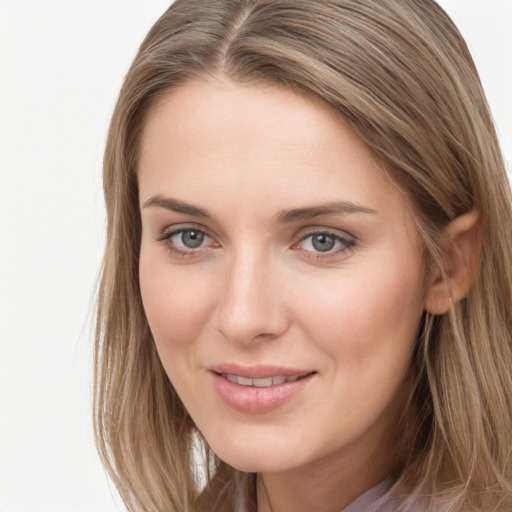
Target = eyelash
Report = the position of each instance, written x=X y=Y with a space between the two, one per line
x=166 y=238
x=346 y=242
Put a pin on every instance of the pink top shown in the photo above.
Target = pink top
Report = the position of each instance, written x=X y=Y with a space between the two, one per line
x=381 y=498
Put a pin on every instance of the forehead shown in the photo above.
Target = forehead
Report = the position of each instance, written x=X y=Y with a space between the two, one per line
x=240 y=117
x=265 y=144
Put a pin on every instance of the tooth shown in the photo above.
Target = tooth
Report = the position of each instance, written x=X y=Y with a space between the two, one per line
x=243 y=381
x=263 y=383
x=259 y=383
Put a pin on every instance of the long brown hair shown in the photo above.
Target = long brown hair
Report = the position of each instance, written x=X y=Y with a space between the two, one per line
x=400 y=75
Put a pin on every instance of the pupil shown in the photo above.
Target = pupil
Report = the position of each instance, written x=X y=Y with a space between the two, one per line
x=192 y=239
x=323 y=243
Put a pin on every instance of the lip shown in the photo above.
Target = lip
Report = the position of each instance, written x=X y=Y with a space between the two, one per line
x=259 y=371
x=258 y=400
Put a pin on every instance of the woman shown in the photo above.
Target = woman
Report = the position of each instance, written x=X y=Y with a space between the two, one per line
x=306 y=292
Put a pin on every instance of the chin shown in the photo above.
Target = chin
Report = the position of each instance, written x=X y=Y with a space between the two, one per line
x=256 y=462
x=256 y=453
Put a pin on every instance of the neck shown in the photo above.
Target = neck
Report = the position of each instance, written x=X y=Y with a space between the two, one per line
x=328 y=485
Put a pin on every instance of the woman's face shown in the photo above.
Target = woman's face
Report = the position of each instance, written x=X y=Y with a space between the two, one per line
x=281 y=275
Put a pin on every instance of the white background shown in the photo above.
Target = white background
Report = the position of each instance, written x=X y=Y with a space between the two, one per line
x=61 y=66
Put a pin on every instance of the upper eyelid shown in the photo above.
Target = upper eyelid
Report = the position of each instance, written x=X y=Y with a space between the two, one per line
x=348 y=241
x=312 y=230
x=303 y=232
x=178 y=228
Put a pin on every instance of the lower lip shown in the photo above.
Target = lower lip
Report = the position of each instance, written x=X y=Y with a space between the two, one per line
x=254 y=400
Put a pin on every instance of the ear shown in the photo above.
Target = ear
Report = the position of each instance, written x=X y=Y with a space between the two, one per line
x=460 y=247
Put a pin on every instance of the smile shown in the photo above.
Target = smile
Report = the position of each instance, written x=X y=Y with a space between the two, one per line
x=259 y=383
x=259 y=390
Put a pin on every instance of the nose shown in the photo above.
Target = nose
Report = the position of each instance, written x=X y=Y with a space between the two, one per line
x=251 y=304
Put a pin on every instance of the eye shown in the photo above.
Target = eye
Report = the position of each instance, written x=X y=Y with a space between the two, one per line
x=320 y=242
x=325 y=243
x=187 y=240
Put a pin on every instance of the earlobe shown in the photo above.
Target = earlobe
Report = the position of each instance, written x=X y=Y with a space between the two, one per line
x=460 y=251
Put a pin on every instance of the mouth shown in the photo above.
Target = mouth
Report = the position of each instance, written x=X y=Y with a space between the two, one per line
x=264 y=382
x=260 y=389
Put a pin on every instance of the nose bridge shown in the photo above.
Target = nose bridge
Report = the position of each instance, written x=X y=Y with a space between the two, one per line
x=251 y=304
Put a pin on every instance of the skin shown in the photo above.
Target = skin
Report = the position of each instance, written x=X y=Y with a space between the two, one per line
x=258 y=291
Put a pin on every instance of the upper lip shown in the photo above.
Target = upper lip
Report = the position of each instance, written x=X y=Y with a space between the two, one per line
x=258 y=371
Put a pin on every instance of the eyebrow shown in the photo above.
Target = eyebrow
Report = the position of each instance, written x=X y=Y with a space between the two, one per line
x=176 y=206
x=283 y=217
x=334 y=208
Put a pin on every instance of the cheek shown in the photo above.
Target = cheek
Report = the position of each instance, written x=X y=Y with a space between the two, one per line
x=367 y=318
x=175 y=303
x=368 y=334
